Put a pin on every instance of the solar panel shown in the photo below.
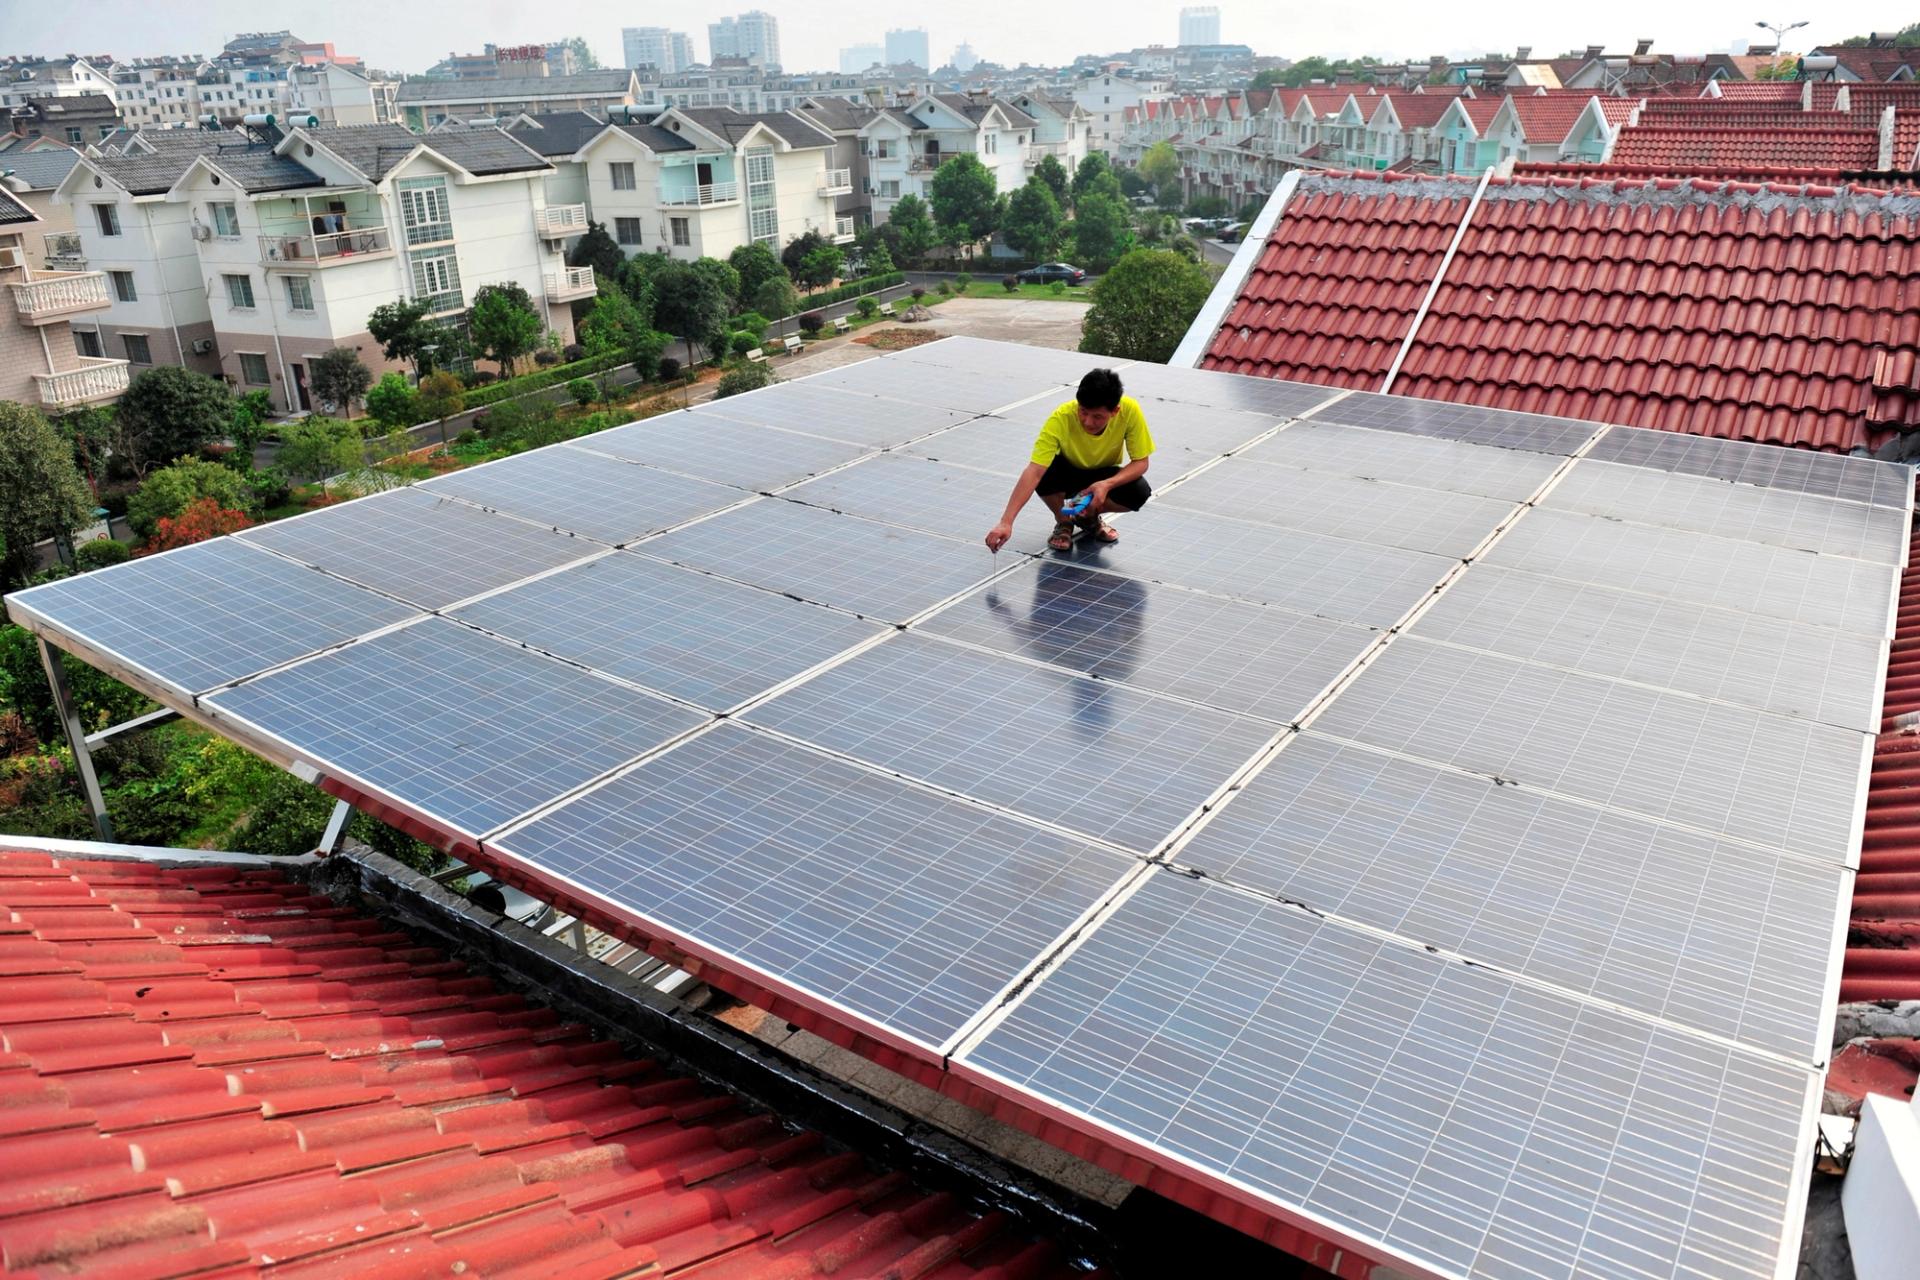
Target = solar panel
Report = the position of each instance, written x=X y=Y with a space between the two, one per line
x=1303 y=572
x=878 y=570
x=976 y=390
x=230 y=610
x=1828 y=475
x=1183 y=434
x=1218 y=390
x=427 y=550
x=836 y=415
x=585 y=493
x=1427 y=461
x=1239 y=657
x=1473 y=1124
x=1782 y=783
x=1779 y=517
x=906 y=907
x=1497 y=427
x=1717 y=936
x=704 y=639
x=958 y=351
x=989 y=444
x=955 y=501
x=457 y=725
x=720 y=449
x=1832 y=591
x=1813 y=672
x=1448 y=524
x=1094 y=757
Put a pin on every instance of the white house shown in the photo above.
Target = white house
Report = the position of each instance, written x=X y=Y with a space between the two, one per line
x=67 y=77
x=1106 y=97
x=340 y=94
x=907 y=145
x=1061 y=128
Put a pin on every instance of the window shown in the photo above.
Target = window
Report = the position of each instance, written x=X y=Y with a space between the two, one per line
x=626 y=230
x=226 y=220
x=76 y=136
x=890 y=189
x=253 y=368
x=299 y=294
x=423 y=209
x=622 y=172
x=137 y=351
x=106 y=131
x=679 y=229
x=763 y=219
x=108 y=217
x=239 y=292
x=990 y=144
x=123 y=290
x=883 y=149
x=87 y=343
x=436 y=279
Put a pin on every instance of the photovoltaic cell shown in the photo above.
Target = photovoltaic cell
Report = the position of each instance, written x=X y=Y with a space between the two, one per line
x=1093 y=757
x=994 y=445
x=1304 y=572
x=585 y=493
x=719 y=449
x=1812 y=672
x=1779 y=517
x=427 y=550
x=1778 y=782
x=454 y=723
x=1729 y=940
x=837 y=415
x=877 y=570
x=1184 y=435
x=957 y=351
x=1475 y=1124
x=970 y=391
x=704 y=639
x=1498 y=427
x=933 y=496
x=229 y=610
x=1218 y=390
x=1245 y=658
x=1828 y=475
x=1833 y=591
x=1432 y=520
x=1427 y=461
x=909 y=908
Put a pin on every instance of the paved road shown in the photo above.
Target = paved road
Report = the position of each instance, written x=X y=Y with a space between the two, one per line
x=1215 y=252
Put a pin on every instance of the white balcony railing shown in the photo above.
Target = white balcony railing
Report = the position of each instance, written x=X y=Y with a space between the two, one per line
x=842 y=230
x=558 y=221
x=569 y=283
x=63 y=251
x=95 y=379
x=60 y=293
x=705 y=193
x=834 y=182
x=326 y=250
x=1040 y=150
x=927 y=162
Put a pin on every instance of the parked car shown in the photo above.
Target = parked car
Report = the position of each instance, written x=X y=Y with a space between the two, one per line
x=1048 y=272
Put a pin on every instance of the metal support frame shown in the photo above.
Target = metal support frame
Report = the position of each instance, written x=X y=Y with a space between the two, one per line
x=76 y=737
x=135 y=725
x=336 y=828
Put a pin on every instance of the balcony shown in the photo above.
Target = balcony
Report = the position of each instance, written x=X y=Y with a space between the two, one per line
x=927 y=162
x=63 y=252
x=569 y=283
x=559 y=221
x=96 y=379
x=836 y=182
x=705 y=194
x=352 y=245
x=842 y=230
x=56 y=295
x=1040 y=150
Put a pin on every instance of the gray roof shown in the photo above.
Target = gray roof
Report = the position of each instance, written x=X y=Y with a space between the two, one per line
x=12 y=209
x=374 y=149
x=834 y=113
x=143 y=174
x=518 y=88
x=258 y=169
x=42 y=168
x=975 y=109
x=559 y=133
x=655 y=138
x=73 y=103
x=735 y=125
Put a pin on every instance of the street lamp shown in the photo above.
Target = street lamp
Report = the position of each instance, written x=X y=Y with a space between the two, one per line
x=1779 y=33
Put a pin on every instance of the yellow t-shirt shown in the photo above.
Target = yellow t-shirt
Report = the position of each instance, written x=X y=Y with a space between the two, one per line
x=1063 y=436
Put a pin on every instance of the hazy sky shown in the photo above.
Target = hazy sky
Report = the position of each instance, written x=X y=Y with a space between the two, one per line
x=410 y=35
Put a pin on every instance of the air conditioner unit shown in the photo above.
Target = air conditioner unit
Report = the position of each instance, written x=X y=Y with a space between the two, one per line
x=202 y=346
x=202 y=232
x=9 y=256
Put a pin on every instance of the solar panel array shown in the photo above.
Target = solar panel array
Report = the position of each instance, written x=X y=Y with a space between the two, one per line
x=1429 y=827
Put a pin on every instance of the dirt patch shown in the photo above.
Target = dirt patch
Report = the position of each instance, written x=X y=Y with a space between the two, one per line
x=895 y=339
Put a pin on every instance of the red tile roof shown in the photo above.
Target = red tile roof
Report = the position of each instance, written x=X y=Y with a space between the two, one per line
x=1549 y=117
x=1866 y=103
x=1762 y=173
x=1684 y=148
x=206 y=1069
x=1481 y=112
x=1417 y=110
x=1760 y=90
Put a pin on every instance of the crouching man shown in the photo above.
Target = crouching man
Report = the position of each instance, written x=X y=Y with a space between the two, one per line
x=1096 y=445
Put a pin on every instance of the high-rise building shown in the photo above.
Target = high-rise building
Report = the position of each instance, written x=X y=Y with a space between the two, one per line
x=857 y=58
x=910 y=45
x=964 y=59
x=1200 y=25
x=657 y=47
x=752 y=35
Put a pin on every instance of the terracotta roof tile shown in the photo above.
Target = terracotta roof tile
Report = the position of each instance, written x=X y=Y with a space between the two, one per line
x=1760 y=90
x=1549 y=117
x=1682 y=148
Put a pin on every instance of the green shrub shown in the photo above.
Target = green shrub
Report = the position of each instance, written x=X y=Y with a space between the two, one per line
x=669 y=369
x=750 y=322
x=946 y=289
x=582 y=391
x=743 y=343
x=867 y=307
x=270 y=488
x=961 y=281
x=170 y=490
x=742 y=378
x=99 y=553
x=508 y=388
x=812 y=322
x=1058 y=287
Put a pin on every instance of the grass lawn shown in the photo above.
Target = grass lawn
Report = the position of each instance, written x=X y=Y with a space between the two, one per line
x=1044 y=292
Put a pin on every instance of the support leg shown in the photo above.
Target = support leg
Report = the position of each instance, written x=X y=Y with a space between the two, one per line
x=76 y=737
x=336 y=827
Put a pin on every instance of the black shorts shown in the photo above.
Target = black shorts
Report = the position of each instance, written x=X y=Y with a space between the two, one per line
x=1065 y=480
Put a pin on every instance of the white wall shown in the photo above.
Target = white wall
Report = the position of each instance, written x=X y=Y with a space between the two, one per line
x=155 y=244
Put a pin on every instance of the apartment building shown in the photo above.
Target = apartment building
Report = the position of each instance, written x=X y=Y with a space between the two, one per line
x=665 y=50
x=843 y=120
x=74 y=120
x=907 y=145
x=1106 y=99
x=40 y=362
x=70 y=77
x=422 y=104
x=32 y=175
x=1061 y=128
x=753 y=35
x=335 y=93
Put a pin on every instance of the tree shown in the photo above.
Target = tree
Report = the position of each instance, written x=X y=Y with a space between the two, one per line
x=404 y=333
x=723 y=277
x=597 y=249
x=1905 y=37
x=1087 y=174
x=879 y=261
x=172 y=489
x=204 y=518
x=582 y=53
x=168 y=411
x=756 y=264
x=1101 y=229
x=504 y=323
x=41 y=493
x=251 y=413
x=1160 y=164
x=1142 y=307
x=776 y=298
x=339 y=378
x=962 y=196
x=441 y=396
x=797 y=250
x=1268 y=78
x=393 y=402
x=91 y=433
x=1207 y=207
x=743 y=378
x=914 y=225
x=613 y=320
x=1033 y=219
x=687 y=303
x=1054 y=174
x=320 y=448
x=819 y=268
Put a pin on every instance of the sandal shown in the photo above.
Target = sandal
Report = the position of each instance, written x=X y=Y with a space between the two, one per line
x=1099 y=530
x=1062 y=539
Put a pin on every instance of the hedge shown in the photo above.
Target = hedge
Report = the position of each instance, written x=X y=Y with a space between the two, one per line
x=852 y=289
x=553 y=375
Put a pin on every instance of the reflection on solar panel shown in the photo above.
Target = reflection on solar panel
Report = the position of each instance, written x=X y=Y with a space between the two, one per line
x=836 y=415
x=1090 y=756
x=426 y=550
x=230 y=610
x=1221 y=390
x=871 y=569
x=452 y=722
x=1475 y=1124
x=1427 y=461
x=971 y=391
x=958 y=351
x=704 y=639
x=585 y=493
x=755 y=458
x=907 y=907
x=1797 y=470
x=1705 y=932
x=1497 y=427
x=1236 y=656
x=956 y=501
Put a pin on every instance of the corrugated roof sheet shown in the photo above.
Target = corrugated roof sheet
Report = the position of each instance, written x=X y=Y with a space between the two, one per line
x=207 y=1070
